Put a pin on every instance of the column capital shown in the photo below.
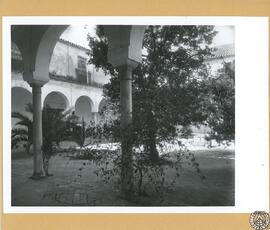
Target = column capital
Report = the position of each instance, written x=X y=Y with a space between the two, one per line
x=36 y=88
x=131 y=64
x=32 y=79
x=36 y=84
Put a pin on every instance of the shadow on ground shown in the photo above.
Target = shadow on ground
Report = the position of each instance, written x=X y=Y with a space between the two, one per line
x=74 y=184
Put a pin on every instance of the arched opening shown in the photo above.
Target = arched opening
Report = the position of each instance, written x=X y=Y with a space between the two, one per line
x=101 y=110
x=102 y=105
x=37 y=55
x=36 y=43
x=20 y=97
x=56 y=100
x=83 y=109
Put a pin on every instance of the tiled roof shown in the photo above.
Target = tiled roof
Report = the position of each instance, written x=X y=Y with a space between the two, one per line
x=222 y=51
x=72 y=44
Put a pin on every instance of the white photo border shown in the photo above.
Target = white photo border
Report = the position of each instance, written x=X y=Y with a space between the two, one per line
x=252 y=112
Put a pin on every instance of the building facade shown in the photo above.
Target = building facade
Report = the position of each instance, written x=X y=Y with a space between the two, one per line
x=221 y=54
x=76 y=85
x=73 y=83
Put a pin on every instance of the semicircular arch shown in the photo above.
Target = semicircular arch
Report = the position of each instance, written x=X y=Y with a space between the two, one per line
x=36 y=43
x=84 y=108
x=56 y=100
x=20 y=98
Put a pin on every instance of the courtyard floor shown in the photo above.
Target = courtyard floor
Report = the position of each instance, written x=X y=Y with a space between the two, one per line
x=74 y=183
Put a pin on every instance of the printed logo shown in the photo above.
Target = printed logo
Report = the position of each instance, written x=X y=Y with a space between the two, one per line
x=259 y=220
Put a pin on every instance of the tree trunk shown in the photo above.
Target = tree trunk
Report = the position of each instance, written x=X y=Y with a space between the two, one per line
x=152 y=130
x=154 y=156
x=126 y=164
x=27 y=148
x=46 y=164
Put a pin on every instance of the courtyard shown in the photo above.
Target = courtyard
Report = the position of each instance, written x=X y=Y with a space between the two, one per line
x=174 y=88
x=74 y=183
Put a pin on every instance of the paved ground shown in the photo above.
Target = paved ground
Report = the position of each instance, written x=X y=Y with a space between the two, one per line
x=74 y=184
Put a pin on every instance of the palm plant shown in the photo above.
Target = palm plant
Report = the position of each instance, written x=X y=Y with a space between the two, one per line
x=23 y=131
x=55 y=128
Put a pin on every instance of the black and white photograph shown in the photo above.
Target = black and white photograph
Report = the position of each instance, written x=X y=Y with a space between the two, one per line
x=112 y=115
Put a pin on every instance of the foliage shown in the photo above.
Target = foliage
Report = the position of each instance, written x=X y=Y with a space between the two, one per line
x=167 y=87
x=55 y=128
x=185 y=132
x=221 y=104
x=23 y=132
x=171 y=88
x=151 y=181
x=107 y=128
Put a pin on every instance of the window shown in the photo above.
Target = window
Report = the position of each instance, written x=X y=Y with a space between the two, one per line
x=82 y=63
x=81 y=70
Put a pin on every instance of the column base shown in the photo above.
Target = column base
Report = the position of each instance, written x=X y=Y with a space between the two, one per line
x=37 y=176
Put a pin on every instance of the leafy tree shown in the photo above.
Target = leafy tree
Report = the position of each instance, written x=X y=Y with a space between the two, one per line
x=221 y=104
x=167 y=86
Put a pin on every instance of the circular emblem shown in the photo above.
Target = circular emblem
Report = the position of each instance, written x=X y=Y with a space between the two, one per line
x=259 y=220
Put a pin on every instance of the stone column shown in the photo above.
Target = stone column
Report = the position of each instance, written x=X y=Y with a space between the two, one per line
x=37 y=131
x=125 y=73
x=125 y=53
